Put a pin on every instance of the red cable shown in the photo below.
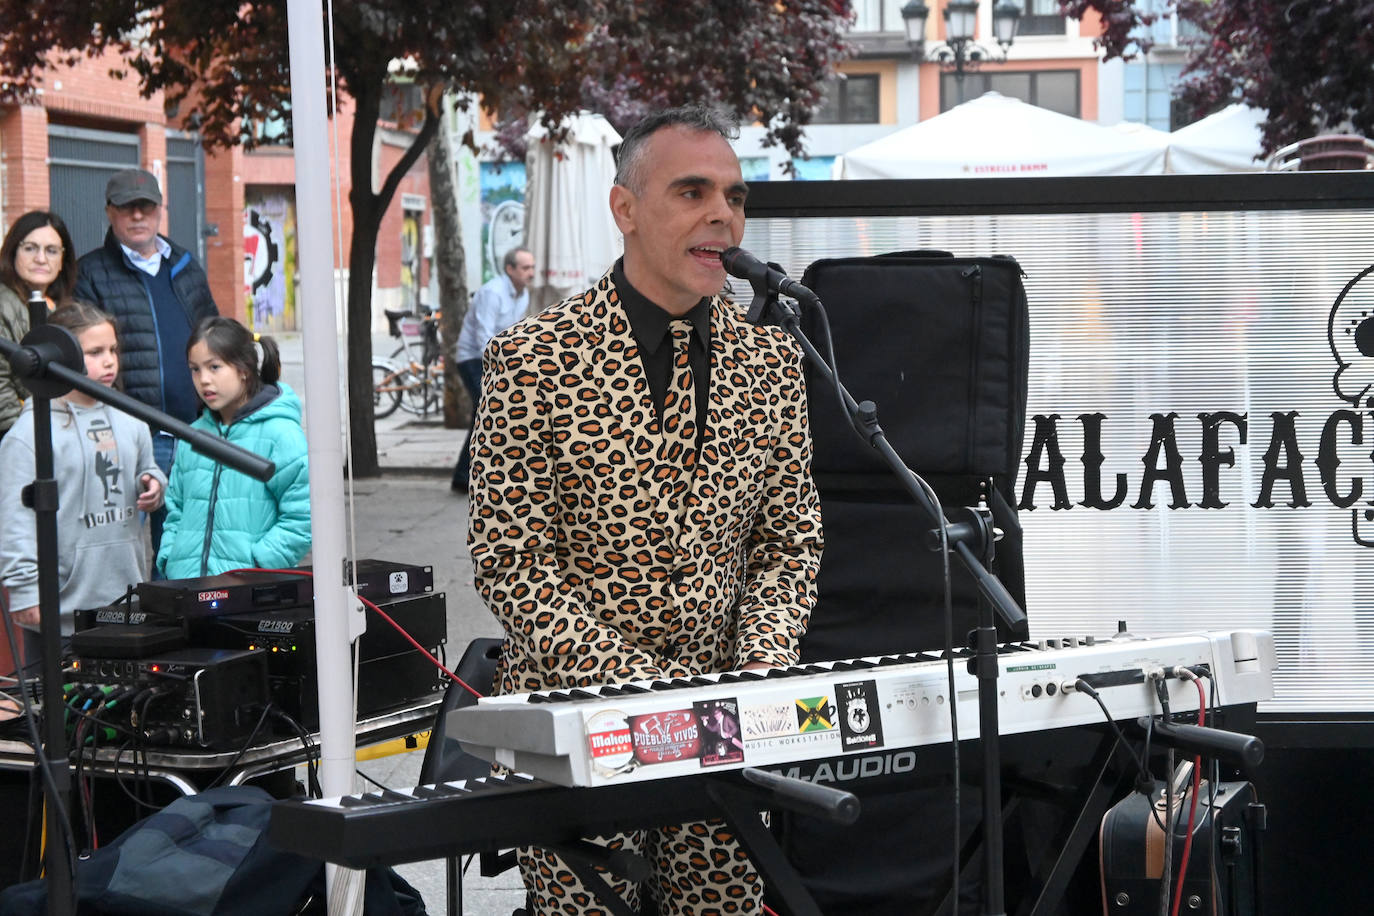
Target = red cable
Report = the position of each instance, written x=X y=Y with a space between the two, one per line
x=385 y=616
x=1192 y=811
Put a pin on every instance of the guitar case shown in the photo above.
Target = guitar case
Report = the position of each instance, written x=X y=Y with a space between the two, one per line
x=1223 y=865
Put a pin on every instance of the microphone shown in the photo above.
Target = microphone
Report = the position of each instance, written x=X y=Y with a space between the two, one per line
x=742 y=264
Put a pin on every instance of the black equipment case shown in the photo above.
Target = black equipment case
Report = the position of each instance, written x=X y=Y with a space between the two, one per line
x=941 y=345
x=1223 y=865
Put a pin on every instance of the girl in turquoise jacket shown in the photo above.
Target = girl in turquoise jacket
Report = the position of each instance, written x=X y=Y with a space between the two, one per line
x=220 y=519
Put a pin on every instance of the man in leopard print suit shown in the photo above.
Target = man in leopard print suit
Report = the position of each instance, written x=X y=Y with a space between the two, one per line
x=616 y=540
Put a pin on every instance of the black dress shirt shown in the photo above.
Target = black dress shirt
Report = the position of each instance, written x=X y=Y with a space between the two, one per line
x=649 y=325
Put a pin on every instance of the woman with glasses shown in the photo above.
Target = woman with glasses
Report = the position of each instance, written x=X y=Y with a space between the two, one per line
x=36 y=256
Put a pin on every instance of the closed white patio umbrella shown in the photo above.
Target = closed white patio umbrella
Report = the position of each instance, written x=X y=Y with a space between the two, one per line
x=568 y=224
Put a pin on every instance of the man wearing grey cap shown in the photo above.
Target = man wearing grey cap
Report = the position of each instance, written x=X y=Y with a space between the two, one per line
x=158 y=293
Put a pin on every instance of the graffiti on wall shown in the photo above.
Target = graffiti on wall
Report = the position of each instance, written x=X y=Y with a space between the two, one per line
x=503 y=213
x=269 y=259
x=410 y=260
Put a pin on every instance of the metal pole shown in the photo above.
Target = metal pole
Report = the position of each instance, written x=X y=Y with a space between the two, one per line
x=320 y=348
x=42 y=498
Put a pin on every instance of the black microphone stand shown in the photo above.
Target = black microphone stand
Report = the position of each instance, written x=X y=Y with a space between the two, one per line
x=971 y=540
x=50 y=363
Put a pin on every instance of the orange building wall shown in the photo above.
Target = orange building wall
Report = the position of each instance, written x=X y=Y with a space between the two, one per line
x=229 y=172
x=83 y=95
x=24 y=142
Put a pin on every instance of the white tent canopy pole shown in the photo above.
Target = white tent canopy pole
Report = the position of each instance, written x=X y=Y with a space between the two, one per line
x=319 y=325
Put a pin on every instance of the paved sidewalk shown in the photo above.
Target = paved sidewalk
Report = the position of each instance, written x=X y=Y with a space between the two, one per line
x=405 y=443
x=410 y=515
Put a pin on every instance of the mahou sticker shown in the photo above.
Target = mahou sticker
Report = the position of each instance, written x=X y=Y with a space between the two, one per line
x=665 y=737
x=608 y=740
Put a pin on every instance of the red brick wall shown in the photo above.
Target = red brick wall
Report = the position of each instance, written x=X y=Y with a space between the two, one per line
x=87 y=92
x=24 y=144
x=224 y=211
x=87 y=96
x=276 y=166
x=84 y=95
x=416 y=182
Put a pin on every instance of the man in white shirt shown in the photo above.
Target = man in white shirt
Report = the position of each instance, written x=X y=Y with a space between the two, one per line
x=500 y=303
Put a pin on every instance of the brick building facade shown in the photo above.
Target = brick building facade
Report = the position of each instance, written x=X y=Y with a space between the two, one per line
x=235 y=210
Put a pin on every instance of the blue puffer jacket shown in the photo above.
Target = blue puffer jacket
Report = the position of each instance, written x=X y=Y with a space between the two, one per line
x=220 y=519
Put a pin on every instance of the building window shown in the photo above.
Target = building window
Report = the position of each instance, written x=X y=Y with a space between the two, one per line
x=1056 y=90
x=1148 y=94
x=402 y=103
x=1041 y=17
x=755 y=168
x=1169 y=30
x=851 y=99
x=878 y=15
x=817 y=168
x=270 y=128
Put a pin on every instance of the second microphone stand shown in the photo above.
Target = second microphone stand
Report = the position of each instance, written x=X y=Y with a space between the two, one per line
x=971 y=539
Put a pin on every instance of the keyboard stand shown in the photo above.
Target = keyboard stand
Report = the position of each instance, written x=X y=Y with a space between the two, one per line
x=739 y=805
x=1046 y=889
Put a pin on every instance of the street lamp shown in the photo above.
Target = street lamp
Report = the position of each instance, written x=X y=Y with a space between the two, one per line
x=959 y=52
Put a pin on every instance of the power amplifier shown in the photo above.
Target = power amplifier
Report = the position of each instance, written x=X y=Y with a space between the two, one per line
x=385 y=683
x=384 y=580
x=208 y=698
x=390 y=670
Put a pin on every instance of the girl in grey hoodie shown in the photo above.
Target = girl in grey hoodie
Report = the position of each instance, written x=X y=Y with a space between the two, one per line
x=106 y=475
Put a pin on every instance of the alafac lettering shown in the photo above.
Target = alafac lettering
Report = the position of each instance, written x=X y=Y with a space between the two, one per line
x=1283 y=463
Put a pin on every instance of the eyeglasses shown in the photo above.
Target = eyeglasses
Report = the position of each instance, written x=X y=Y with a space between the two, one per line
x=30 y=250
x=136 y=206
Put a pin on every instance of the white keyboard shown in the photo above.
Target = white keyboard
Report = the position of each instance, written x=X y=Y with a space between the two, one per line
x=645 y=730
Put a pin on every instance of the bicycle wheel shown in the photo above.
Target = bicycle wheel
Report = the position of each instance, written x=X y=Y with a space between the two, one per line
x=386 y=390
x=420 y=394
x=414 y=397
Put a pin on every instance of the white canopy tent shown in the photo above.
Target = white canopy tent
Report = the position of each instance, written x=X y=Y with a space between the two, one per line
x=1227 y=141
x=568 y=224
x=1142 y=132
x=994 y=136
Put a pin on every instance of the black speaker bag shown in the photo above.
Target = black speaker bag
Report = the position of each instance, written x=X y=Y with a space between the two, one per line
x=941 y=345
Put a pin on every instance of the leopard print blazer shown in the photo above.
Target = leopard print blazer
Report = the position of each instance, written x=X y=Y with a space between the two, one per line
x=602 y=557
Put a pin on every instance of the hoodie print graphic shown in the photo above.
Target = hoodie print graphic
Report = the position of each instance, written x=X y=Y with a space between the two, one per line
x=106 y=458
x=104 y=466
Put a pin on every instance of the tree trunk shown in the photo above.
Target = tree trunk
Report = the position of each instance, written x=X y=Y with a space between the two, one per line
x=449 y=261
x=362 y=256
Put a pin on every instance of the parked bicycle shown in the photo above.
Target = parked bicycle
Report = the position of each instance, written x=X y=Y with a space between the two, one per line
x=410 y=380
